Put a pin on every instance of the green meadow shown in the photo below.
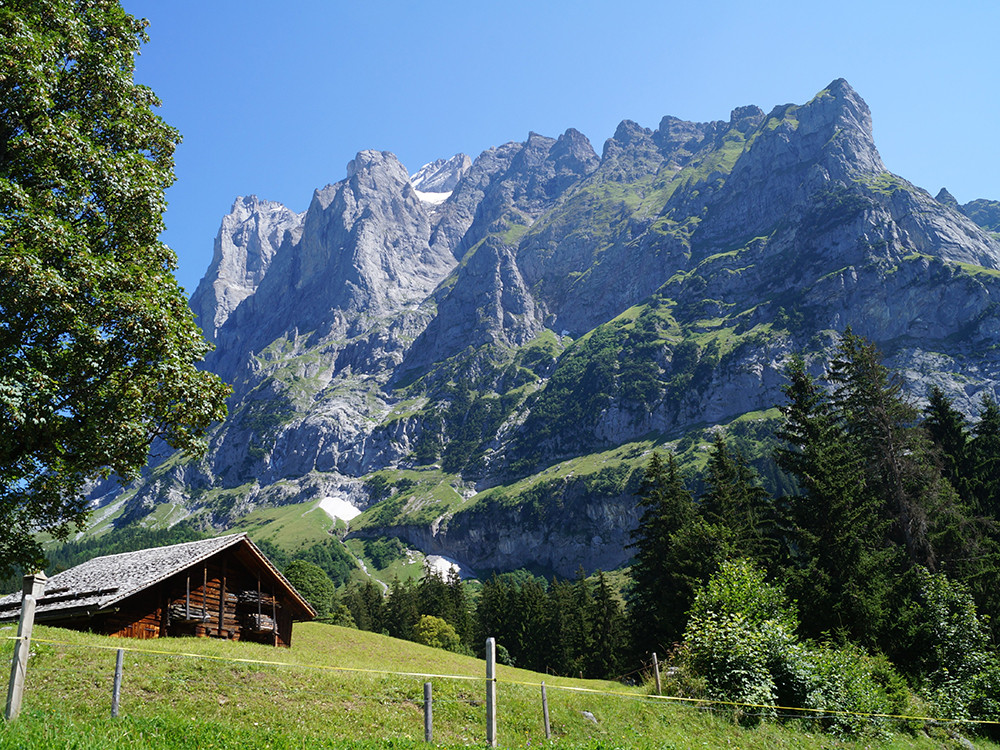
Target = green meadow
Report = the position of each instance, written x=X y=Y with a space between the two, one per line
x=343 y=688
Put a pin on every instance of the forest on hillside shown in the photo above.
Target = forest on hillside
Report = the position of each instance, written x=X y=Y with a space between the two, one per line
x=869 y=590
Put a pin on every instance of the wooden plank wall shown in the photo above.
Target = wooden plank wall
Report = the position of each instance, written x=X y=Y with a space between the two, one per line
x=224 y=580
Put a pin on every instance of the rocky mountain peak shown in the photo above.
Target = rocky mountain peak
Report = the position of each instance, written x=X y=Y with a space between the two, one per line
x=574 y=153
x=249 y=236
x=629 y=131
x=365 y=239
x=442 y=175
x=946 y=198
x=375 y=168
x=840 y=115
x=746 y=118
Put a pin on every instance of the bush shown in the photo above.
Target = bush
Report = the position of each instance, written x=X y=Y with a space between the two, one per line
x=433 y=631
x=741 y=640
x=739 y=631
x=846 y=685
x=964 y=674
x=313 y=583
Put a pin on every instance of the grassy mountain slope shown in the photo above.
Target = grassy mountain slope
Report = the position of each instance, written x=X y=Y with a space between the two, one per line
x=328 y=691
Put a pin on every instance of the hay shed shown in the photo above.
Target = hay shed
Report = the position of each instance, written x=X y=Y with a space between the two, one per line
x=213 y=588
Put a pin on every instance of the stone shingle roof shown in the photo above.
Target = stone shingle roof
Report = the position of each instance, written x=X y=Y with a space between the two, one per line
x=104 y=581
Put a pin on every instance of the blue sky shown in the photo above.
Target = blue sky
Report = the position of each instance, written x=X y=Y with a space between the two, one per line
x=274 y=99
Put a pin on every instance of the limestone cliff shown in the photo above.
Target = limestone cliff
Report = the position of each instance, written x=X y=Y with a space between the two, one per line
x=480 y=355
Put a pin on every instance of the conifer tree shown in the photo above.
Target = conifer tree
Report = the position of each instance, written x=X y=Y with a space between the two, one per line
x=879 y=421
x=579 y=623
x=459 y=606
x=609 y=639
x=534 y=641
x=837 y=572
x=984 y=459
x=735 y=502
x=497 y=613
x=946 y=427
x=558 y=658
x=401 y=610
x=673 y=549
x=366 y=605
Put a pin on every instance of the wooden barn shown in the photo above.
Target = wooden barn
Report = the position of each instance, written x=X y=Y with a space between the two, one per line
x=214 y=588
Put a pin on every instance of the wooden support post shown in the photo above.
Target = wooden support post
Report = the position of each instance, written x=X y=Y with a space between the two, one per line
x=222 y=597
x=656 y=673
x=491 y=692
x=31 y=590
x=116 y=691
x=274 y=617
x=428 y=714
x=545 y=712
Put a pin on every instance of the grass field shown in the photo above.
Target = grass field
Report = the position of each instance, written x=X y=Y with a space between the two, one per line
x=342 y=688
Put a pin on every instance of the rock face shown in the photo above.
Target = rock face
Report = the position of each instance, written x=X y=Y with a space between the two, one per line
x=247 y=241
x=543 y=312
x=441 y=176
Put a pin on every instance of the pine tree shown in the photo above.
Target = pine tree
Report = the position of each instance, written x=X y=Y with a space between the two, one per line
x=609 y=637
x=735 y=501
x=674 y=549
x=983 y=467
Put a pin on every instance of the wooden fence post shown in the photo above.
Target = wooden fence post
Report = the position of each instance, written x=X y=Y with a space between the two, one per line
x=491 y=692
x=116 y=691
x=428 y=714
x=32 y=588
x=656 y=673
x=545 y=712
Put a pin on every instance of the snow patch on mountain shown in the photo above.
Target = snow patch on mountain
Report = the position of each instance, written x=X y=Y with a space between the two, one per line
x=435 y=199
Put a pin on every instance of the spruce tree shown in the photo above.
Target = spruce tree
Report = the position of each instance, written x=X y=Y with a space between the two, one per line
x=983 y=468
x=879 y=422
x=735 y=502
x=662 y=568
x=401 y=612
x=947 y=430
x=838 y=569
x=558 y=658
x=460 y=607
x=609 y=637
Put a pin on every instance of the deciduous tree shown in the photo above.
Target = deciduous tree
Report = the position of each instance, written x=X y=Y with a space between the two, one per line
x=98 y=348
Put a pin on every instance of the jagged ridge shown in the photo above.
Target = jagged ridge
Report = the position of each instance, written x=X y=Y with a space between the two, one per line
x=556 y=305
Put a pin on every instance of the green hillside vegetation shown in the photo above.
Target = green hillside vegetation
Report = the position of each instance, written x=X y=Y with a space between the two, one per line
x=331 y=690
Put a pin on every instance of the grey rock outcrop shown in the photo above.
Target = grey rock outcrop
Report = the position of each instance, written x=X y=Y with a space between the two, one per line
x=548 y=304
x=247 y=241
x=441 y=176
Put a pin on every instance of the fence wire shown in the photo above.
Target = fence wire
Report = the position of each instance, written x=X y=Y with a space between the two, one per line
x=715 y=705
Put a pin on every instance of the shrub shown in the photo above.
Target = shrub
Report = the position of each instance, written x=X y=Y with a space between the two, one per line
x=964 y=674
x=433 y=631
x=741 y=640
x=739 y=630
x=846 y=685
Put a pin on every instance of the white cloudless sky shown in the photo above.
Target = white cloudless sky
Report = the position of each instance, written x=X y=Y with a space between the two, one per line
x=274 y=99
